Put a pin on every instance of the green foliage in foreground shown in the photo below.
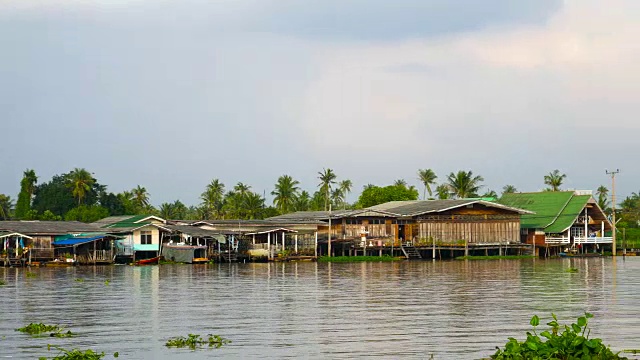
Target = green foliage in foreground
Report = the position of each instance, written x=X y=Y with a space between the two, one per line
x=2 y=283
x=571 y=343
x=76 y=354
x=496 y=257
x=347 y=259
x=193 y=341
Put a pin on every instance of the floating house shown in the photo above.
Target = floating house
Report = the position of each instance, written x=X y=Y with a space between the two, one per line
x=86 y=249
x=562 y=220
x=140 y=235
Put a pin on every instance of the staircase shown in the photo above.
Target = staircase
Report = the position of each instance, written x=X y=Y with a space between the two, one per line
x=411 y=252
x=229 y=257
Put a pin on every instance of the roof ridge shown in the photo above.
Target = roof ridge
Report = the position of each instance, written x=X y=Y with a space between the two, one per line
x=561 y=210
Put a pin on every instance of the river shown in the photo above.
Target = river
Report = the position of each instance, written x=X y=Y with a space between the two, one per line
x=448 y=309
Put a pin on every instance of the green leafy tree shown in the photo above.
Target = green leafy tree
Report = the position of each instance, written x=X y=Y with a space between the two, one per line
x=53 y=195
x=49 y=216
x=554 y=179
x=464 y=185
x=113 y=203
x=327 y=179
x=303 y=201
x=400 y=182
x=443 y=191
x=80 y=181
x=141 y=199
x=345 y=188
x=603 y=197
x=317 y=201
x=213 y=200
x=428 y=178
x=86 y=213
x=6 y=207
x=509 y=189
x=166 y=211
x=253 y=206
x=490 y=194
x=27 y=189
x=285 y=193
x=375 y=195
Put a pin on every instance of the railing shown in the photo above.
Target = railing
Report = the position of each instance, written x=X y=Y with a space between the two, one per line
x=557 y=240
x=593 y=240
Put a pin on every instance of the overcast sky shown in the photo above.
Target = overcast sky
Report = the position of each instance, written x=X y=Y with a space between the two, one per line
x=171 y=94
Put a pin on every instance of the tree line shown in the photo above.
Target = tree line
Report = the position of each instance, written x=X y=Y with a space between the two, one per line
x=77 y=195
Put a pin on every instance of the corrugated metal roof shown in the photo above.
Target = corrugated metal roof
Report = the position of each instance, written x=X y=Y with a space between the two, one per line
x=47 y=227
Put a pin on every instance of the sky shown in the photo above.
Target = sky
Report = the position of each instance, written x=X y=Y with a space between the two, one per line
x=170 y=95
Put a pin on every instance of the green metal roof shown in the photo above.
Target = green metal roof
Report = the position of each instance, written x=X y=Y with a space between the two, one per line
x=130 y=222
x=555 y=211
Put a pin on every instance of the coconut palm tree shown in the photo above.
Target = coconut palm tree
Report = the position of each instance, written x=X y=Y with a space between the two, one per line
x=603 y=194
x=6 y=205
x=427 y=177
x=337 y=197
x=463 y=184
x=285 y=193
x=303 y=201
x=242 y=189
x=554 y=180
x=327 y=178
x=212 y=199
x=167 y=211
x=443 y=191
x=30 y=180
x=80 y=181
x=345 y=188
x=140 y=198
x=400 y=182
x=253 y=206
x=509 y=189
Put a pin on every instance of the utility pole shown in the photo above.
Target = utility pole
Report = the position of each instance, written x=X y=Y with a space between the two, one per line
x=613 y=205
x=329 y=242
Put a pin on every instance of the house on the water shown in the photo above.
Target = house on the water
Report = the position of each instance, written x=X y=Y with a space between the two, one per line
x=563 y=221
x=39 y=237
x=140 y=235
x=423 y=225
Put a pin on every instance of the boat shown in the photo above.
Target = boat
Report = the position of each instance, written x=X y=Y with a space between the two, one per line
x=151 y=261
x=578 y=255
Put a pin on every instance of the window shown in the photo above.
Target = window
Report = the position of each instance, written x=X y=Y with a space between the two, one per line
x=145 y=237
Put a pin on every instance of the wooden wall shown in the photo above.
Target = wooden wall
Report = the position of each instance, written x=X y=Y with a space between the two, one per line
x=485 y=230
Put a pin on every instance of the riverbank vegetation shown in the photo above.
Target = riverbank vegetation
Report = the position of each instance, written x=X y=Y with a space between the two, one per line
x=496 y=257
x=348 y=259
x=559 y=342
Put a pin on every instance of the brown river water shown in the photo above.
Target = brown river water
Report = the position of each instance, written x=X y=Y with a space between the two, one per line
x=448 y=309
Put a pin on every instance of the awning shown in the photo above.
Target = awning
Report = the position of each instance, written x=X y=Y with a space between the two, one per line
x=78 y=240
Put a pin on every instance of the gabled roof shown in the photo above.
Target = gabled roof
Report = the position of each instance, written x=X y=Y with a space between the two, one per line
x=555 y=211
x=422 y=207
x=38 y=227
x=7 y=234
x=126 y=220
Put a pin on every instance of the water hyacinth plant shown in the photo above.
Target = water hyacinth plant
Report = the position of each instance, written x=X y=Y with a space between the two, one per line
x=193 y=341
x=75 y=354
x=559 y=342
x=40 y=328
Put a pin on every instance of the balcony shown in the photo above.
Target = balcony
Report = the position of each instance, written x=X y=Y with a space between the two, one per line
x=557 y=240
x=593 y=240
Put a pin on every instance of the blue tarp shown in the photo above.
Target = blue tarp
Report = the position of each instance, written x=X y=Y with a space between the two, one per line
x=77 y=240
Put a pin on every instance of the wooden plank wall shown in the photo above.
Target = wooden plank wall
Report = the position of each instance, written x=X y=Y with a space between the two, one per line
x=473 y=232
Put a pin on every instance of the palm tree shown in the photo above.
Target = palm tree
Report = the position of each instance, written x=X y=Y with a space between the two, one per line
x=463 y=184
x=285 y=193
x=303 y=201
x=603 y=194
x=443 y=191
x=554 y=180
x=427 y=177
x=6 y=205
x=212 y=199
x=337 y=197
x=140 y=198
x=30 y=180
x=242 y=189
x=253 y=206
x=400 y=182
x=167 y=211
x=509 y=189
x=345 y=188
x=80 y=181
x=327 y=178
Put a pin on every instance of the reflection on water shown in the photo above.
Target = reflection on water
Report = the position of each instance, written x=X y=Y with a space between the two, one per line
x=452 y=309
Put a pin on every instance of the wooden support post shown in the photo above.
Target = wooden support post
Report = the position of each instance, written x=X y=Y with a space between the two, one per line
x=254 y=239
x=316 y=246
x=268 y=246
x=295 y=239
x=283 y=235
